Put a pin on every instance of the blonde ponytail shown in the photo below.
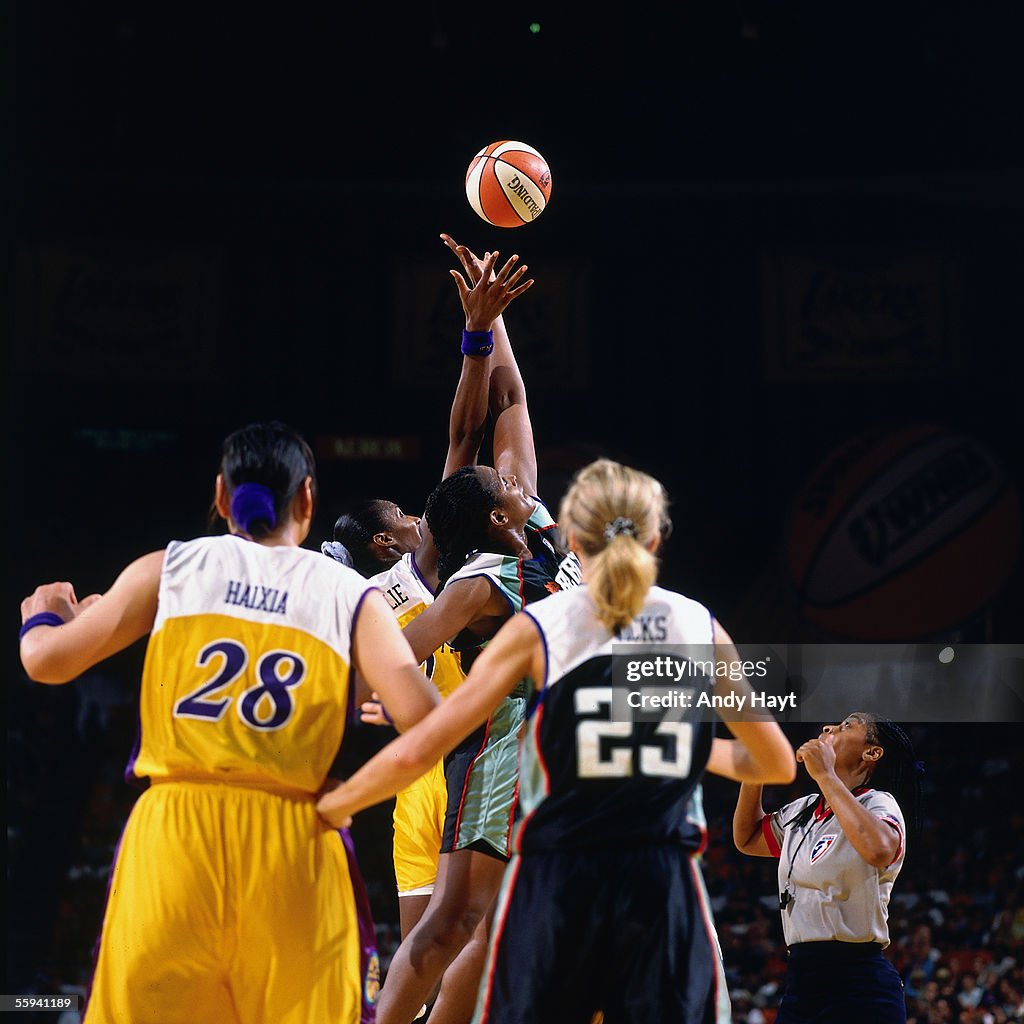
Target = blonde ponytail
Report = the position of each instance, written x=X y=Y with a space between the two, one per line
x=615 y=513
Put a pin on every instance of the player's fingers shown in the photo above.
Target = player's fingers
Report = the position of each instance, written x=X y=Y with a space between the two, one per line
x=502 y=274
x=515 y=278
x=86 y=601
x=522 y=288
x=460 y=283
x=469 y=264
x=488 y=264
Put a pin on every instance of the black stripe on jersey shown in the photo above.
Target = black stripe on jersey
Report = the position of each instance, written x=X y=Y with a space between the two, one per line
x=611 y=782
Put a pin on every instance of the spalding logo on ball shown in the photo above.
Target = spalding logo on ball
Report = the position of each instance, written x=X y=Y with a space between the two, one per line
x=902 y=534
x=508 y=184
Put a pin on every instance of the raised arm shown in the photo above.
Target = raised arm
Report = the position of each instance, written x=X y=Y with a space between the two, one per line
x=760 y=751
x=483 y=303
x=514 y=450
x=93 y=629
x=515 y=652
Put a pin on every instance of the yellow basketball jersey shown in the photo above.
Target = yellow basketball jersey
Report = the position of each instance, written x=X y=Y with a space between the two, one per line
x=246 y=677
x=407 y=594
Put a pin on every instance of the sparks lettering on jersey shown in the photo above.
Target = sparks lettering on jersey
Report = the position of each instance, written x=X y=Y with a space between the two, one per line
x=652 y=629
x=396 y=596
x=257 y=597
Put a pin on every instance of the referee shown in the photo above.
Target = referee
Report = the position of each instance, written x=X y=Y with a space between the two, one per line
x=839 y=853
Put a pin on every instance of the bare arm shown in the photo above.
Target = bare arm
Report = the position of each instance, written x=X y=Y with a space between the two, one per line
x=483 y=304
x=93 y=629
x=515 y=652
x=483 y=301
x=457 y=606
x=747 y=834
x=468 y=417
x=760 y=751
x=381 y=657
x=871 y=837
x=514 y=450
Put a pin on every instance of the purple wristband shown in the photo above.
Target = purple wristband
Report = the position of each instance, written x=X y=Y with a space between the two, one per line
x=384 y=712
x=40 y=619
x=477 y=343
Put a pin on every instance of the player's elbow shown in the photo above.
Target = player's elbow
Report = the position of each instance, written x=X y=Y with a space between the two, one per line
x=880 y=854
x=785 y=773
x=415 y=709
x=41 y=668
x=413 y=760
x=506 y=390
x=466 y=435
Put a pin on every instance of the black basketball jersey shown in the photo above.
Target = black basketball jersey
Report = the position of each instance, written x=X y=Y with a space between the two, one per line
x=591 y=779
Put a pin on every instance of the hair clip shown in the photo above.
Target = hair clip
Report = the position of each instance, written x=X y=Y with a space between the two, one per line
x=620 y=524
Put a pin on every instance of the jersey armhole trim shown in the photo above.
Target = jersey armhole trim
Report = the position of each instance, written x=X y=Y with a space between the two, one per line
x=769 y=836
x=350 y=698
x=895 y=826
x=547 y=664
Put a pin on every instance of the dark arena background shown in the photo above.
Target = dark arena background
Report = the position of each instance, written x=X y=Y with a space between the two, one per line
x=781 y=269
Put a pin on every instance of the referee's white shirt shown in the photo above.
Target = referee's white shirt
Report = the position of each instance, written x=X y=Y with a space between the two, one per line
x=837 y=895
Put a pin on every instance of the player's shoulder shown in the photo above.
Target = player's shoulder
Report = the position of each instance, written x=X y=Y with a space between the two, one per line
x=692 y=622
x=484 y=563
x=401 y=571
x=880 y=802
x=787 y=813
x=679 y=602
x=562 y=603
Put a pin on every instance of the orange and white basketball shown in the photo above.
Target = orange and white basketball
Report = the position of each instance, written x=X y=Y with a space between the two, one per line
x=508 y=184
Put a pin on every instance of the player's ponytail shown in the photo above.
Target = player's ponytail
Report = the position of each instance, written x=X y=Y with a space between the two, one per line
x=263 y=466
x=615 y=514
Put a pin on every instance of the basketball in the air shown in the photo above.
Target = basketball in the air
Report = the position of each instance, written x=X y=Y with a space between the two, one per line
x=508 y=184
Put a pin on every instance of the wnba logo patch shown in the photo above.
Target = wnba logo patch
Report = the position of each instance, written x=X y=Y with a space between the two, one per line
x=822 y=846
x=371 y=983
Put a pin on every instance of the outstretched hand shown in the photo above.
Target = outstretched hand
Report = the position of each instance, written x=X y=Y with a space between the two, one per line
x=58 y=598
x=471 y=263
x=491 y=291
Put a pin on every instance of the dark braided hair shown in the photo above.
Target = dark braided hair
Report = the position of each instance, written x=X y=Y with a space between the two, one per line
x=356 y=528
x=457 y=513
x=897 y=772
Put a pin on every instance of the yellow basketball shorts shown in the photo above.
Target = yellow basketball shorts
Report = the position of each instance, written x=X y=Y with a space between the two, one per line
x=419 y=821
x=228 y=906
